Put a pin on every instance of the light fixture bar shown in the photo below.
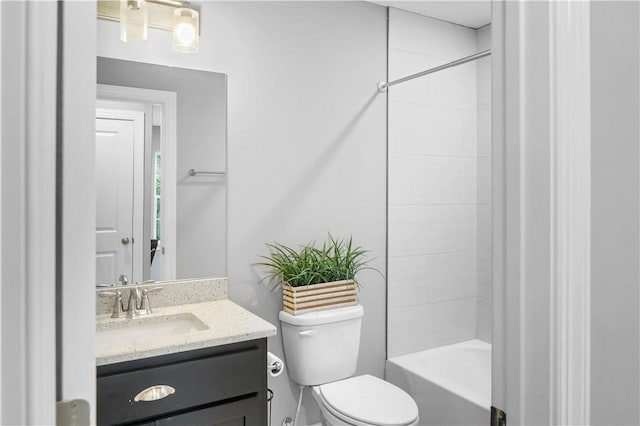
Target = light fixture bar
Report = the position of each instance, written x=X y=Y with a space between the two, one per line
x=172 y=3
x=136 y=16
x=160 y=12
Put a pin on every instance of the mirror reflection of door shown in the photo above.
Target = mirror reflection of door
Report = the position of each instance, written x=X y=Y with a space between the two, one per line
x=119 y=168
x=154 y=212
x=154 y=176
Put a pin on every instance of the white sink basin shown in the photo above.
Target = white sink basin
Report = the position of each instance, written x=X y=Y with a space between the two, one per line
x=144 y=328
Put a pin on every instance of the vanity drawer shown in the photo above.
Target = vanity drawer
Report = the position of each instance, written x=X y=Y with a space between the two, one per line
x=197 y=382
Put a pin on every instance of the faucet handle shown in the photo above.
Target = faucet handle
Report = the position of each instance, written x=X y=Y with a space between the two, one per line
x=146 y=307
x=118 y=307
x=124 y=280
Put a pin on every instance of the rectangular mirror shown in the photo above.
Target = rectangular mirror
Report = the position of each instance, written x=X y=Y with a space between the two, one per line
x=160 y=172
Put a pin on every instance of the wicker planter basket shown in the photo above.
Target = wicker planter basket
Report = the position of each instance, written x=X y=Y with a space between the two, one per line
x=317 y=297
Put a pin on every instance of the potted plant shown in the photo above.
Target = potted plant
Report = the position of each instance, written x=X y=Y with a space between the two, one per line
x=315 y=277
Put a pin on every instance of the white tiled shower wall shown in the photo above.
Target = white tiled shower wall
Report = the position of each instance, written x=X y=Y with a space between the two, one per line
x=439 y=267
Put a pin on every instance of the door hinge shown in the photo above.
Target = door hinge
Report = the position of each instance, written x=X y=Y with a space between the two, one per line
x=498 y=417
x=73 y=412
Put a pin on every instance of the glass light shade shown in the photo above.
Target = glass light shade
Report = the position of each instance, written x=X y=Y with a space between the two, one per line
x=186 y=30
x=134 y=21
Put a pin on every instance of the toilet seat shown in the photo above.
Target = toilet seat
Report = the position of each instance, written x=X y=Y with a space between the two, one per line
x=367 y=400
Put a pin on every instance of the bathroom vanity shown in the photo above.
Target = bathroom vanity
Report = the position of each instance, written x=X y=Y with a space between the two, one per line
x=221 y=385
x=184 y=363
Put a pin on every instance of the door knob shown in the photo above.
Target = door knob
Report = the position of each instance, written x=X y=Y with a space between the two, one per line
x=125 y=240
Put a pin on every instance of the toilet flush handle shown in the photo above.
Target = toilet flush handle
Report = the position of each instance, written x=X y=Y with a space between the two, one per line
x=307 y=333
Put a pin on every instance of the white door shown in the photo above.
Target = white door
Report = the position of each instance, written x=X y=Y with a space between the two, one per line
x=115 y=142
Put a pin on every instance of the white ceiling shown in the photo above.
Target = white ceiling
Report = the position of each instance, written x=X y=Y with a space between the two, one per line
x=470 y=13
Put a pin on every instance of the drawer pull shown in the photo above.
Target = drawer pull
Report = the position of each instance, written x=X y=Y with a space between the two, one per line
x=154 y=393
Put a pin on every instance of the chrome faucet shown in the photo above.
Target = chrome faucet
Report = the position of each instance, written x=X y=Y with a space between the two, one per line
x=136 y=295
x=138 y=299
x=118 y=308
x=145 y=307
x=132 y=307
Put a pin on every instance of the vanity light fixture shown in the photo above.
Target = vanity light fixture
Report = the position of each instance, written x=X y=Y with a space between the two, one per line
x=186 y=30
x=136 y=16
x=134 y=21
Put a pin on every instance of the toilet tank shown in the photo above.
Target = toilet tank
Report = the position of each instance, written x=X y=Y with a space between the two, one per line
x=321 y=347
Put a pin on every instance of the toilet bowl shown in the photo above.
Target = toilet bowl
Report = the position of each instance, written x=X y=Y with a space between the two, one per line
x=321 y=351
x=365 y=401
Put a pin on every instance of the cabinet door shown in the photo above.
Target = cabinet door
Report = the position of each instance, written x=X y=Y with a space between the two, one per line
x=197 y=383
x=238 y=413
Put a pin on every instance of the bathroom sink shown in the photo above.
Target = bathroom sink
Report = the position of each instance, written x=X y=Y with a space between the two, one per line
x=144 y=328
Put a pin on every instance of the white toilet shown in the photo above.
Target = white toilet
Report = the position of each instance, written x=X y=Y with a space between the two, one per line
x=321 y=351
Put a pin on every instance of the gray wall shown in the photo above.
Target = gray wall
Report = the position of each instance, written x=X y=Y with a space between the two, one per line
x=201 y=145
x=615 y=109
x=306 y=149
x=306 y=143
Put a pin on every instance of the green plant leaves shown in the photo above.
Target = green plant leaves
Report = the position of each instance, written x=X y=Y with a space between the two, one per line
x=336 y=260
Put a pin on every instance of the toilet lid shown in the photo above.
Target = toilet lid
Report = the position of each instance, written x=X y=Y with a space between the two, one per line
x=370 y=400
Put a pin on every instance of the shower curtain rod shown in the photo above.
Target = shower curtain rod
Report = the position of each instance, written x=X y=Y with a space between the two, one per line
x=383 y=85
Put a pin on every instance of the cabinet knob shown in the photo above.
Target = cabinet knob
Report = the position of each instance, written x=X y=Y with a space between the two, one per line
x=154 y=393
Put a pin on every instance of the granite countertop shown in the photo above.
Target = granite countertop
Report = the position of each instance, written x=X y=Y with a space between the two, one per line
x=225 y=322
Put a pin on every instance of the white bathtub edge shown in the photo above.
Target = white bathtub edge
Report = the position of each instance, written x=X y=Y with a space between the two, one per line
x=482 y=401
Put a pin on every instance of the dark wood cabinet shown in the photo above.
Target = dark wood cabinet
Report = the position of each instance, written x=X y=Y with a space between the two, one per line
x=222 y=385
x=236 y=413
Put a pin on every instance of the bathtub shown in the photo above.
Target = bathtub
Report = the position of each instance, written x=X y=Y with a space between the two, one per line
x=451 y=384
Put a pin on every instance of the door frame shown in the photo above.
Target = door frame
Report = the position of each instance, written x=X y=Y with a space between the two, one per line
x=541 y=220
x=32 y=27
x=76 y=204
x=168 y=101
x=29 y=35
x=112 y=112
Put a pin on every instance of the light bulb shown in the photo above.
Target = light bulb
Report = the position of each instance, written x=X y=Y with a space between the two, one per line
x=185 y=33
x=134 y=21
x=186 y=30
